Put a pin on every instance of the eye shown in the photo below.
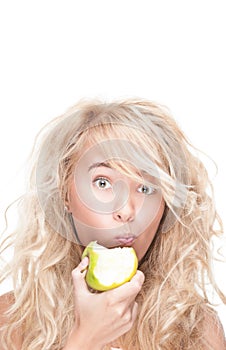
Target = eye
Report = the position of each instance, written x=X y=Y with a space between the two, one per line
x=146 y=189
x=102 y=183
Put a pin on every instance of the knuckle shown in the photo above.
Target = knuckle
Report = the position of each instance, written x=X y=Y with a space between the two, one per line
x=127 y=317
x=129 y=325
x=119 y=312
x=137 y=282
x=140 y=277
x=137 y=287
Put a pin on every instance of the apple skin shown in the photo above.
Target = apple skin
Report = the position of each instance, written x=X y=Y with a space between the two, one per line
x=91 y=279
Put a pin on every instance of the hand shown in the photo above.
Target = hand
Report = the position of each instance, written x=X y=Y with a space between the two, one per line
x=103 y=317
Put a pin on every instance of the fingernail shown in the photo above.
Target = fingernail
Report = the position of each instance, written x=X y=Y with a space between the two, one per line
x=84 y=262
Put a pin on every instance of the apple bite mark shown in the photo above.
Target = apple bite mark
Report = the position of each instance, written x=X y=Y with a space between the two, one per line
x=109 y=268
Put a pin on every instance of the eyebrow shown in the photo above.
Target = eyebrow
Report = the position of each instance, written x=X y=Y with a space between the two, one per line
x=100 y=164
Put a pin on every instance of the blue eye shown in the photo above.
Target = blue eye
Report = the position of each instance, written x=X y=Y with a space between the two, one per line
x=146 y=189
x=102 y=183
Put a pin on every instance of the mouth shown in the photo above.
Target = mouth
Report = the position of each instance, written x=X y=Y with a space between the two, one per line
x=126 y=240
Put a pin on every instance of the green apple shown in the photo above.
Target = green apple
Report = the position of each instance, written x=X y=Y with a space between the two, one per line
x=109 y=268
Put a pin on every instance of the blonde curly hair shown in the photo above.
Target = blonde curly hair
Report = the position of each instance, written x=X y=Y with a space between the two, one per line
x=173 y=302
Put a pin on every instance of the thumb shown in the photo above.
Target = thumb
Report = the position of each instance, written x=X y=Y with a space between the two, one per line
x=83 y=264
x=79 y=273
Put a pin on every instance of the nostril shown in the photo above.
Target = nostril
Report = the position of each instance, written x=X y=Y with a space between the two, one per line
x=123 y=217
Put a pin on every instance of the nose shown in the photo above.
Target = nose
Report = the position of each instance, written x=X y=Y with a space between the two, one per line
x=126 y=213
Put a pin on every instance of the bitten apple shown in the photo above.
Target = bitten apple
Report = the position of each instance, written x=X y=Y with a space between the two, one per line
x=109 y=268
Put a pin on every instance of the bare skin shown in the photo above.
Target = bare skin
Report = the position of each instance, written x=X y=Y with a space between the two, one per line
x=6 y=301
x=113 y=312
x=116 y=310
x=118 y=304
x=134 y=211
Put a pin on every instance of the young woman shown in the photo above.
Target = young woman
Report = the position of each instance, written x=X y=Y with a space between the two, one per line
x=123 y=174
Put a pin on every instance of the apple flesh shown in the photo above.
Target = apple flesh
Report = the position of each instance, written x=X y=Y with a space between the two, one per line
x=109 y=268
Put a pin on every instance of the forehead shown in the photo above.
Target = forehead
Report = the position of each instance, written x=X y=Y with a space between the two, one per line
x=120 y=155
x=109 y=152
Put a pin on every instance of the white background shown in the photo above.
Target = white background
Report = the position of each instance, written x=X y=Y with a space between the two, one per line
x=56 y=52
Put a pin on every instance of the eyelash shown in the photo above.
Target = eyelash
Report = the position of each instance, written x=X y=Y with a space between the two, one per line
x=152 y=190
x=101 y=179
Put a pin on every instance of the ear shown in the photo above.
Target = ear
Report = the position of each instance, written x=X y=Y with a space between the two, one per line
x=67 y=202
x=66 y=208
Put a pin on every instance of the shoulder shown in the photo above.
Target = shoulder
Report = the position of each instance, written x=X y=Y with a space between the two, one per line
x=6 y=301
x=214 y=332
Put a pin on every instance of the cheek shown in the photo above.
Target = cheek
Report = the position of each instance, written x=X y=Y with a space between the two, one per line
x=149 y=210
x=84 y=214
x=78 y=209
x=149 y=214
x=143 y=242
x=156 y=210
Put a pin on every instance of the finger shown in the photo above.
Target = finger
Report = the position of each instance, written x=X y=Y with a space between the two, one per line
x=129 y=290
x=78 y=275
x=134 y=311
x=82 y=266
x=139 y=277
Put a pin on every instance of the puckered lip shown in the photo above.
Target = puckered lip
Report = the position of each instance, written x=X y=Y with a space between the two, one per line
x=126 y=240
